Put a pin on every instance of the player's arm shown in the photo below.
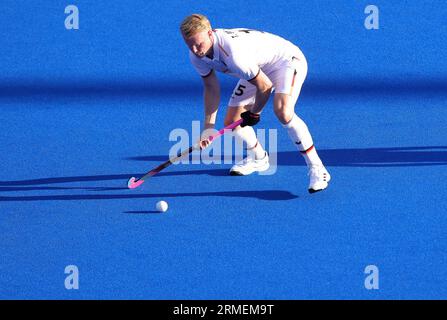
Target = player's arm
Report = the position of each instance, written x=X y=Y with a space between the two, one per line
x=264 y=86
x=211 y=95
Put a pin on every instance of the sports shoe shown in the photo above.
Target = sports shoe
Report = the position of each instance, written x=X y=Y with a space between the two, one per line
x=319 y=178
x=250 y=165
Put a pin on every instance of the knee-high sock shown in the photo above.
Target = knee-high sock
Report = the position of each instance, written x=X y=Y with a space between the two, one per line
x=248 y=135
x=300 y=135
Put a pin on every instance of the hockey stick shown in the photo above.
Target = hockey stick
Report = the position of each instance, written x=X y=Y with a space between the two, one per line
x=135 y=183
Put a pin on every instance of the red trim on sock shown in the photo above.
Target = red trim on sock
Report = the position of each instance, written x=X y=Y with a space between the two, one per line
x=308 y=150
x=254 y=146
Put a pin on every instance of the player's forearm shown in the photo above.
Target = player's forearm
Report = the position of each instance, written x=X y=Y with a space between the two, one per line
x=262 y=96
x=211 y=102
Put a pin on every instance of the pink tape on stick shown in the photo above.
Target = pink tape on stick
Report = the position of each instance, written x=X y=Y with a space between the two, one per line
x=222 y=131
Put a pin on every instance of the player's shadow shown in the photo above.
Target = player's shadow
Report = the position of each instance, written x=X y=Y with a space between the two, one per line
x=12 y=185
x=40 y=188
x=349 y=157
x=269 y=195
x=363 y=157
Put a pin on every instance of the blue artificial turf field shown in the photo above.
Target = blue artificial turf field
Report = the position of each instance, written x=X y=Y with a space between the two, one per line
x=83 y=110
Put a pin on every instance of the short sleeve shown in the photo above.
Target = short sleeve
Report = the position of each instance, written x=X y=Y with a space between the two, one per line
x=201 y=67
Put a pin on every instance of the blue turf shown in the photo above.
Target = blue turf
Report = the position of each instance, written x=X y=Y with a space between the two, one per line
x=374 y=101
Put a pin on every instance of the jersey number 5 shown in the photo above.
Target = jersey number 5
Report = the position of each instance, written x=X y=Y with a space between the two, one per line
x=240 y=90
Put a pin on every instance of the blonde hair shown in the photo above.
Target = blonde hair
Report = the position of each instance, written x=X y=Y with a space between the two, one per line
x=193 y=24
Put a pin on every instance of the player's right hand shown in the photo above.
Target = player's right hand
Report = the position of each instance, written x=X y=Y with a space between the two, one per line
x=205 y=137
x=203 y=144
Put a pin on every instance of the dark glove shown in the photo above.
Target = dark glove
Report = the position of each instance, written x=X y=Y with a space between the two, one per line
x=250 y=118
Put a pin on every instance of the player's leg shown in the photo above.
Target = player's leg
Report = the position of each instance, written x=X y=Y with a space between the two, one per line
x=289 y=83
x=301 y=137
x=257 y=158
x=245 y=134
x=296 y=128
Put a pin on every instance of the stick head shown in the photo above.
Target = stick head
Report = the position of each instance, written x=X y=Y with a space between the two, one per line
x=131 y=184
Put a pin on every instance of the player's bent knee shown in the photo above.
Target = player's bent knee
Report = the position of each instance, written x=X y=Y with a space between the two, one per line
x=284 y=115
x=283 y=109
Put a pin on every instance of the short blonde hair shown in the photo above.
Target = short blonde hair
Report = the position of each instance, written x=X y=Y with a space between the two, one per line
x=193 y=24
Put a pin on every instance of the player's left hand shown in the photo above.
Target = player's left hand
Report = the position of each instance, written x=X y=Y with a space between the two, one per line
x=250 y=118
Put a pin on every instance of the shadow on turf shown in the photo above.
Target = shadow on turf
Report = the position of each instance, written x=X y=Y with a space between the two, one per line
x=271 y=195
x=12 y=185
x=360 y=157
x=69 y=179
x=6 y=189
x=397 y=86
x=142 y=212
x=364 y=157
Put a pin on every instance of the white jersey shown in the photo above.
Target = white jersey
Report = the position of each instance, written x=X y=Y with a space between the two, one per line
x=243 y=53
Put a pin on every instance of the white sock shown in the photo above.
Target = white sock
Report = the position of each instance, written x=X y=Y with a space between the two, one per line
x=248 y=135
x=300 y=135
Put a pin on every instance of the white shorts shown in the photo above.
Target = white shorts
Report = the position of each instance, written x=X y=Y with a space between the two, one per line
x=287 y=78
